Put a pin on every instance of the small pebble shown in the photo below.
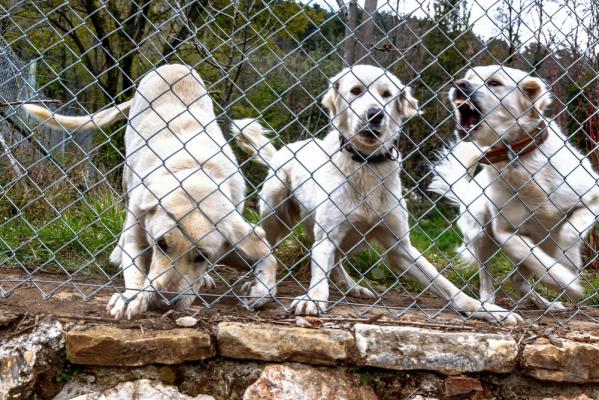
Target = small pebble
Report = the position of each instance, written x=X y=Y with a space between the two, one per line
x=186 y=322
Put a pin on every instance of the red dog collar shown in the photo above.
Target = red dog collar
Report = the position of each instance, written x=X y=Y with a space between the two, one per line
x=520 y=148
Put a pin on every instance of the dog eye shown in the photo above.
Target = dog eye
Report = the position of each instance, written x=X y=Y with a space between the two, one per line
x=356 y=90
x=162 y=245
x=200 y=258
x=386 y=94
x=494 y=82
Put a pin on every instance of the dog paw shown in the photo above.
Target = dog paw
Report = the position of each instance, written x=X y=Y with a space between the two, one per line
x=496 y=314
x=305 y=305
x=556 y=306
x=129 y=304
x=206 y=282
x=257 y=294
x=361 y=292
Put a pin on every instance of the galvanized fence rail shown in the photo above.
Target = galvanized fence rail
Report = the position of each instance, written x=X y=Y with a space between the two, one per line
x=365 y=181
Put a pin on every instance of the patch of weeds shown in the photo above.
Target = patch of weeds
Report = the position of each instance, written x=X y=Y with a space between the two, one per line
x=67 y=372
x=591 y=285
x=78 y=239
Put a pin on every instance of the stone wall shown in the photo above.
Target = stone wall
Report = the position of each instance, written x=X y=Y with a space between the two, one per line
x=234 y=360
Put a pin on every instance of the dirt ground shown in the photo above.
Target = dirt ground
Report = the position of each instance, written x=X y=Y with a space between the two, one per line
x=27 y=304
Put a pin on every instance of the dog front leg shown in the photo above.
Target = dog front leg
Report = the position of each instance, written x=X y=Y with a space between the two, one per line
x=406 y=257
x=254 y=248
x=550 y=271
x=575 y=230
x=485 y=250
x=133 y=300
x=322 y=263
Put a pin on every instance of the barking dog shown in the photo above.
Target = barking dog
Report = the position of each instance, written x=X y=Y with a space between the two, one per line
x=536 y=197
x=184 y=195
x=346 y=189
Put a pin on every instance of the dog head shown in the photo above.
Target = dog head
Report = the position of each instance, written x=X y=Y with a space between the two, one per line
x=183 y=220
x=494 y=102
x=367 y=105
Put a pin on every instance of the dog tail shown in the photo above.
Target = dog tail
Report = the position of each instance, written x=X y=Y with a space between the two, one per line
x=453 y=174
x=71 y=123
x=251 y=138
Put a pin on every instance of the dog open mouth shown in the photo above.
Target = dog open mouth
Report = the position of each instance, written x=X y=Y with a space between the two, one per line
x=369 y=136
x=469 y=115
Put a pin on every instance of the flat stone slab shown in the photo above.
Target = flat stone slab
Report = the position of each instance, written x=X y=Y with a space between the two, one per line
x=452 y=353
x=276 y=343
x=562 y=361
x=110 y=346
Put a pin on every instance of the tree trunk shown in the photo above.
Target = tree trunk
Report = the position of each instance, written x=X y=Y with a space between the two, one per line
x=364 y=54
x=351 y=22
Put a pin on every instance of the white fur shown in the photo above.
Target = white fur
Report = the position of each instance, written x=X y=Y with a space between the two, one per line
x=183 y=187
x=72 y=123
x=343 y=203
x=550 y=195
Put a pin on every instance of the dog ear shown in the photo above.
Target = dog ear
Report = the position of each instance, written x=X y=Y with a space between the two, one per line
x=533 y=91
x=248 y=239
x=407 y=105
x=143 y=200
x=330 y=99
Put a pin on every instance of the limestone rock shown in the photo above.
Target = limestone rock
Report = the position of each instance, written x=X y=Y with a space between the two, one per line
x=186 y=322
x=452 y=353
x=25 y=357
x=300 y=382
x=566 y=361
x=7 y=318
x=110 y=346
x=142 y=389
x=275 y=343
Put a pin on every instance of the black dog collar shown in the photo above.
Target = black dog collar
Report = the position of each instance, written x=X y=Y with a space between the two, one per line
x=364 y=158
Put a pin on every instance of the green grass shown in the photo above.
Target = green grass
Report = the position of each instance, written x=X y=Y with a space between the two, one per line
x=80 y=238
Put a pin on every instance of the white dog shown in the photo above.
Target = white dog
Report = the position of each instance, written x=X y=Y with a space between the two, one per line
x=185 y=195
x=536 y=197
x=347 y=191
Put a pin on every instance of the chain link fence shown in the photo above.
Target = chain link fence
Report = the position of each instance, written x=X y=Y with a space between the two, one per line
x=253 y=166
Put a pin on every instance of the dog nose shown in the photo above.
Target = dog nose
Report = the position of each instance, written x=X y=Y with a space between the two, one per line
x=463 y=85
x=375 y=115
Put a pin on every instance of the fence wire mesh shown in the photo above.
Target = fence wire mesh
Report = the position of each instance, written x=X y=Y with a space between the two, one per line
x=432 y=157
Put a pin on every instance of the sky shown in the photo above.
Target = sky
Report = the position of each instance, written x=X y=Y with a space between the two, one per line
x=558 y=25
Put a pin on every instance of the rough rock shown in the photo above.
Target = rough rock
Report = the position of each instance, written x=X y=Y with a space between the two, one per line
x=110 y=346
x=300 y=382
x=7 y=318
x=142 y=389
x=563 y=361
x=275 y=343
x=25 y=357
x=452 y=353
x=457 y=385
x=186 y=322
